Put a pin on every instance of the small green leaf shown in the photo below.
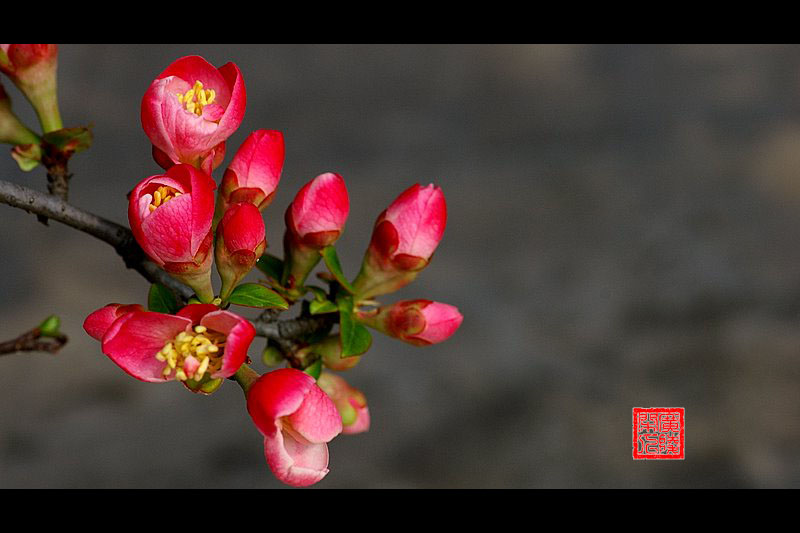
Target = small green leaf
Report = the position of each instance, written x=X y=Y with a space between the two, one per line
x=271 y=266
x=319 y=294
x=331 y=259
x=50 y=326
x=70 y=140
x=255 y=295
x=317 y=308
x=161 y=300
x=314 y=369
x=355 y=338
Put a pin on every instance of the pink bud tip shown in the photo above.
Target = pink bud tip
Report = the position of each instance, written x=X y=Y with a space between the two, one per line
x=410 y=229
x=423 y=322
x=319 y=211
x=255 y=171
x=243 y=228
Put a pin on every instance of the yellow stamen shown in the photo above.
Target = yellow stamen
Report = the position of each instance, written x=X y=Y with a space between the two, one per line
x=161 y=196
x=196 y=98
x=202 y=344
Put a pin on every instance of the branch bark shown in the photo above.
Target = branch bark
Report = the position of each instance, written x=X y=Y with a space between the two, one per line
x=30 y=341
x=122 y=240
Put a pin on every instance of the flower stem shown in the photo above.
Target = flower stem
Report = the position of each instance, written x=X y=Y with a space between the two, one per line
x=245 y=377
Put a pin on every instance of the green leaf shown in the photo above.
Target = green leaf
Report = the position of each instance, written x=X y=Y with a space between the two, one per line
x=161 y=300
x=255 y=295
x=331 y=259
x=271 y=266
x=355 y=338
x=326 y=306
x=50 y=326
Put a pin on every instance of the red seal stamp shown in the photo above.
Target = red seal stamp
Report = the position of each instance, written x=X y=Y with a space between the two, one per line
x=658 y=433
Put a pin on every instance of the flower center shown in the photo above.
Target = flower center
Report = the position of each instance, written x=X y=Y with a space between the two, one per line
x=196 y=98
x=162 y=195
x=192 y=355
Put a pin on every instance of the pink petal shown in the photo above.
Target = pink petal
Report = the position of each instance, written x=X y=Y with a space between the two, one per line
x=294 y=461
x=133 y=341
x=317 y=419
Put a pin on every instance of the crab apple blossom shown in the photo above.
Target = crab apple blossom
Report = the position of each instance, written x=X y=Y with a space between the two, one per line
x=351 y=403
x=417 y=322
x=199 y=345
x=255 y=171
x=240 y=242
x=170 y=217
x=32 y=68
x=403 y=240
x=190 y=109
x=297 y=420
x=314 y=220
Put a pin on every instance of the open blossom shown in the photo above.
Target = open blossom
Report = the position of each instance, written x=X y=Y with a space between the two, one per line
x=170 y=217
x=255 y=171
x=240 y=242
x=297 y=420
x=404 y=238
x=417 y=322
x=199 y=343
x=351 y=403
x=190 y=109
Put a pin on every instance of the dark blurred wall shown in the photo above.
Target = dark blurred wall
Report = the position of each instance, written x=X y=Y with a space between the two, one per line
x=623 y=229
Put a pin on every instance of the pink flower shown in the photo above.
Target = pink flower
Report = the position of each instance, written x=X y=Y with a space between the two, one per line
x=170 y=216
x=198 y=344
x=417 y=322
x=351 y=403
x=297 y=420
x=404 y=238
x=240 y=242
x=314 y=220
x=317 y=215
x=190 y=110
x=255 y=171
x=407 y=233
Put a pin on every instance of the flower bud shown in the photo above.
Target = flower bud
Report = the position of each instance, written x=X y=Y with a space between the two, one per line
x=330 y=349
x=297 y=420
x=190 y=109
x=32 y=68
x=170 y=217
x=417 y=322
x=240 y=242
x=350 y=402
x=255 y=171
x=404 y=238
x=314 y=220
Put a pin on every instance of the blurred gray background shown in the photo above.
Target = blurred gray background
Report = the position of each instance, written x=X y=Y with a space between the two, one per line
x=623 y=232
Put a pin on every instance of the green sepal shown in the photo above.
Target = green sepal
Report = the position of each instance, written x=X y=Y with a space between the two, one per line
x=161 y=300
x=255 y=295
x=314 y=369
x=331 y=259
x=271 y=266
x=355 y=338
x=317 y=308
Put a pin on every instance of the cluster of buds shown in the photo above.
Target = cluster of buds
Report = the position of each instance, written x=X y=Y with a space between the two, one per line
x=188 y=113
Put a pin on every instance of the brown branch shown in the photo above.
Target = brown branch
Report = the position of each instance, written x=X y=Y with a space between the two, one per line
x=31 y=341
x=118 y=236
x=121 y=238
